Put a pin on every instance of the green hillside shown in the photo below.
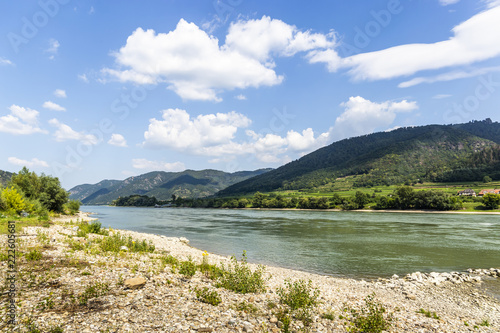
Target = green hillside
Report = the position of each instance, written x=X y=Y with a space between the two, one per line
x=162 y=185
x=5 y=177
x=406 y=155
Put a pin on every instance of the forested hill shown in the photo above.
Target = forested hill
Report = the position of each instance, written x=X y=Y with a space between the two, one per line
x=433 y=153
x=5 y=177
x=162 y=185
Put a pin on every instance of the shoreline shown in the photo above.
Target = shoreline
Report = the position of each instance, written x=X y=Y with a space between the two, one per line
x=167 y=302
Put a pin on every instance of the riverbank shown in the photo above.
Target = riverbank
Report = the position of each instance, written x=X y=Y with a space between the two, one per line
x=52 y=285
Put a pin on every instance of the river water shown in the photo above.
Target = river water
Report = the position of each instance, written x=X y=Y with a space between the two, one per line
x=348 y=244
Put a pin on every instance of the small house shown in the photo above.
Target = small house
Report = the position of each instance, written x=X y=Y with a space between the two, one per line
x=483 y=192
x=467 y=193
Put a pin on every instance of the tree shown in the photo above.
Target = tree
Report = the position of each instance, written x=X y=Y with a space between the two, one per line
x=405 y=196
x=53 y=196
x=491 y=201
x=73 y=206
x=28 y=182
x=360 y=200
x=487 y=179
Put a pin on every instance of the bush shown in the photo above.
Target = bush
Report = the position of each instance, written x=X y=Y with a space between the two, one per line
x=239 y=278
x=13 y=200
x=298 y=294
x=115 y=242
x=33 y=255
x=491 y=201
x=209 y=297
x=369 y=318
x=73 y=207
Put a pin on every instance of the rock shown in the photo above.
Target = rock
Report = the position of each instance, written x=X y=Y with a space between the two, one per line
x=251 y=299
x=123 y=248
x=273 y=320
x=394 y=277
x=134 y=283
x=411 y=296
x=184 y=240
x=75 y=229
x=205 y=329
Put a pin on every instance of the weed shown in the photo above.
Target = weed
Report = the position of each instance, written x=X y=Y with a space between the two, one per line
x=86 y=273
x=328 y=315
x=92 y=291
x=42 y=237
x=187 y=268
x=116 y=241
x=56 y=329
x=246 y=307
x=271 y=305
x=485 y=323
x=369 y=318
x=429 y=314
x=46 y=303
x=239 y=278
x=121 y=281
x=169 y=259
x=33 y=255
x=207 y=296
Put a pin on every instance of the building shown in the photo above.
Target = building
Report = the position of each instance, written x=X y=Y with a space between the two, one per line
x=483 y=192
x=467 y=193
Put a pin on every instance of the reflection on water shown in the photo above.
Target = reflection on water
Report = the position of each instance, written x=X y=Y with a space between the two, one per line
x=338 y=243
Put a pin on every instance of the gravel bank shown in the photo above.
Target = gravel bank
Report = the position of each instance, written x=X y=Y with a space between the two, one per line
x=50 y=289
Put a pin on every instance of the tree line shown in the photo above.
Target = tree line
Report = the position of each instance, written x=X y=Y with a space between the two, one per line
x=30 y=194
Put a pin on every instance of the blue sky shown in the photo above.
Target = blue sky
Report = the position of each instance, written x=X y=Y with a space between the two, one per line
x=93 y=90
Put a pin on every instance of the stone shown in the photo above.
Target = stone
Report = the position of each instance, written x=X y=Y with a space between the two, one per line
x=273 y=320
x=251 y=299
x=184 y=240
x=205 y=329
x=75 y=229
x=134 y=283
x=123 y=248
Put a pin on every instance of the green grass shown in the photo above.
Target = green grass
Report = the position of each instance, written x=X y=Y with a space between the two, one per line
x=21 y=222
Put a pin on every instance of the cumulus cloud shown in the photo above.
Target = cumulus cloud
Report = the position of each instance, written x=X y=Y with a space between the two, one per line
x=60 y=93
x=65 y=133
x=473 y=40
x=196 y=67
x=144 y=164
x=20 y=121
x=117 y=140
x=362 y=116
x=83 y=77
x=53 y=106
x=35 y=162
x=178 y=130
x=215 y=135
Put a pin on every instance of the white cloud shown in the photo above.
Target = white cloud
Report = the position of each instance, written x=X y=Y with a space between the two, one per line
x=196 y=67
x=473 y=40
x=4 y=61
x=142 y=163
x=179 y=131
x=65 y=133
x=362 y=116
x=60 y=93
x=448 y=2
x=20 y=121
x=214 y=135
x=53 y=106
x=454 y=75
x=241 y=97
x=83 y=77
x=53 y=48
x=35 y=162
x=117 y=140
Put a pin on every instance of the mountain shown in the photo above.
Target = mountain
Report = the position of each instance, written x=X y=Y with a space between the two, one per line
x=162 y=185
x=411 y=154
x=5 y=177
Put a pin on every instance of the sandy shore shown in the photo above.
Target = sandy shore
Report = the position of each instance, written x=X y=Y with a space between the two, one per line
x=168 y=303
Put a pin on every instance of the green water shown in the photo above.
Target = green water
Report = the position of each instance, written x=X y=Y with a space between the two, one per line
x=349 y=244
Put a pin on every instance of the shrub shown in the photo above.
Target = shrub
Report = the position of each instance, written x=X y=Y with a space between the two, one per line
x=239 y=277
x=209 y=297
x=115 y=242
x=369 y=318
x=13 y=200
x=169 y=259
x=298 y=294
x=73 y=207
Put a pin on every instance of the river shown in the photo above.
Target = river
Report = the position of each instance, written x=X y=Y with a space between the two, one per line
x=348 y=244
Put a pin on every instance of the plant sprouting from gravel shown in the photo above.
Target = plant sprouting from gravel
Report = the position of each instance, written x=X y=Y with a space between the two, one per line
x=207 y=296
x=93 y=290
x=187 y=268
x=300 y=297
x=371 y=318
x=429 y=314
x=116 y=241
x=239 y=277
